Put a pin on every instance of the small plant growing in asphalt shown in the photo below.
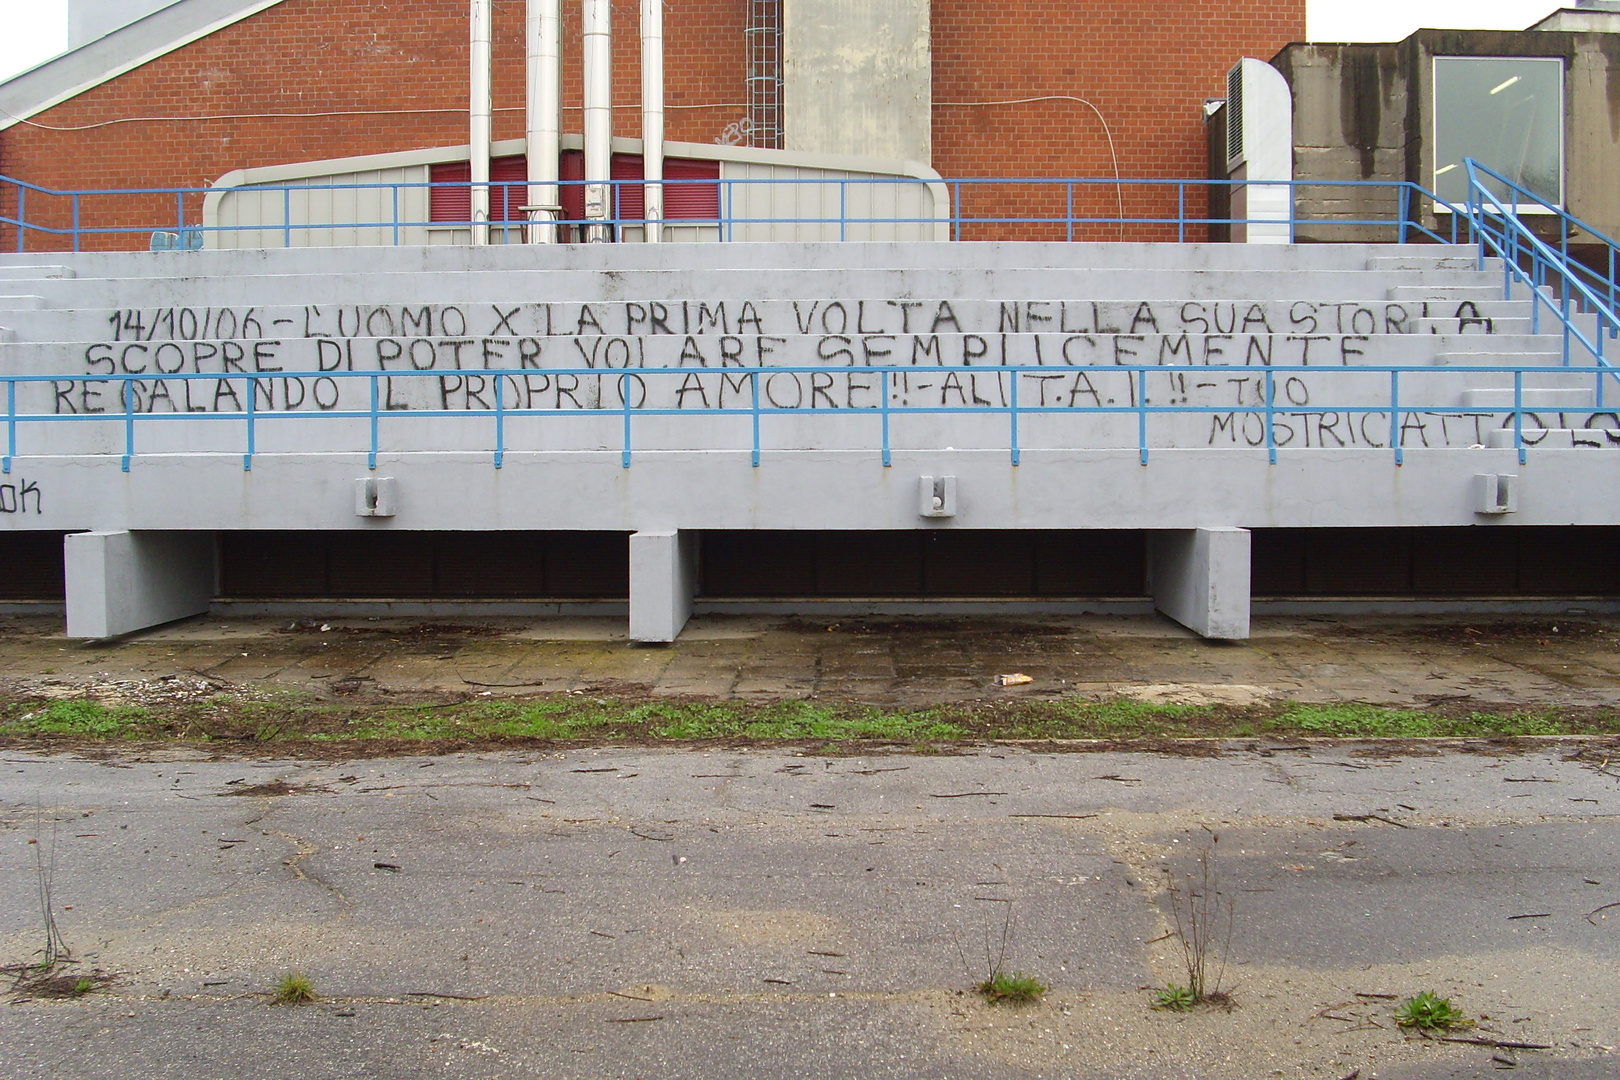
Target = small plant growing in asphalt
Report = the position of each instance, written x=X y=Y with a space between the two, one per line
x=1429 y=1011
x=1203 y=918
x=293 y=989
x=1011 y=989
x=82 y=987
x=1000 y=986
x=1175 y=998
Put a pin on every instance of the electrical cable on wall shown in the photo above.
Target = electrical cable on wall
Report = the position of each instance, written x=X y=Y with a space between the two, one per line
x=315 y=115
x=1119 y=190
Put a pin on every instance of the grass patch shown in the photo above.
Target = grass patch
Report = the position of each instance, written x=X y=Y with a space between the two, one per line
x=1011 y=989
x=293 y=989
x=86 y=718
x=1429 y=1011
x=289 y=716
x=1175 y=998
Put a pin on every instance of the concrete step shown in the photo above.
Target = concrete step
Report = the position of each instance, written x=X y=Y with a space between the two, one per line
x=749 y=256
x=21 y=303
x=1528 y=351
x=1557 y=438
x=451 y=353
x=1572 y=398
x=671 y=285
x=785 y=317
x=1425 y=262
x=28 y=273
x=1445 y=292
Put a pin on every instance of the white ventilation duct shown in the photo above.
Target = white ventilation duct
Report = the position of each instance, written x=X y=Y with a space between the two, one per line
x=481 y=110
x=1260 y=146
x=543 y=53
x=598 y=116
x=652 y=115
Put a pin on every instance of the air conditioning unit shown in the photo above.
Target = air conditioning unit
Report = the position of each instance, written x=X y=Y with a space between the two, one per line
x=1260 y=146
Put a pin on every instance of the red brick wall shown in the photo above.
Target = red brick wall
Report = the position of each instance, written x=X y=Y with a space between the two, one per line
x=1146 y=66
x=307 y=57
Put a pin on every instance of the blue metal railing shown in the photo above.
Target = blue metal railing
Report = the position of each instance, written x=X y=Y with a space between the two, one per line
x=734 y=217
x=1527 y=259
x=128 y=401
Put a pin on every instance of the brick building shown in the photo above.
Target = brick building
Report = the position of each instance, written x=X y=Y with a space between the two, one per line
x=1041 y=88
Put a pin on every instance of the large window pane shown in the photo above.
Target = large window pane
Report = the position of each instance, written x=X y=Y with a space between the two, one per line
x=1507 y=114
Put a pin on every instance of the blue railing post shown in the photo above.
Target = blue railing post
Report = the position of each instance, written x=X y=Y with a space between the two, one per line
x=1271 y=428
x=286 y=217
x=1181 y=212
x=887 y=375
x=956 y=214
x=1406 y=212
x=500 y=421
x=843 y=210
x=1140 y=375
x=1395 y=416
x=371 y=455
x=129 y=423
x=1518 y=412
x=22 y=219
x=1012 y=411
x=395 y=189
x=1069 y=213
x=180 y=212
x=247 y=458
x=624 y=393
x=75 y=221
x=754 y=383
x=11 y=423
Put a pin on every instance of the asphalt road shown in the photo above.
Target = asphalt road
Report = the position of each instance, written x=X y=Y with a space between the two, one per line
x=686 y=914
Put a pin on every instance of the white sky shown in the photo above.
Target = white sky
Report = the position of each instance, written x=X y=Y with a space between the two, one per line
x=35 y=30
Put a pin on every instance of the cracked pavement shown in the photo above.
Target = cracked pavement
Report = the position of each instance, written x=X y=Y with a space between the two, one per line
x=715 y=913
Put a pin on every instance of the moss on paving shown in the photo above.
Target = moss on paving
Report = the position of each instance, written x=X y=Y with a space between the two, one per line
x=572 y=718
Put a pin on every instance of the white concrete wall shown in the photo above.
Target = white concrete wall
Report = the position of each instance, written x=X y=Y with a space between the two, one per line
x=1201 y=580
x=91 y=19
x=663 y=582
x=858 y=77
x=1203 y=318
x=765 y=195
x=120 y=581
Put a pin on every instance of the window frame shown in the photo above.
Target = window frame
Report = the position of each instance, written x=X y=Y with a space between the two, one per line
x=1562 y=198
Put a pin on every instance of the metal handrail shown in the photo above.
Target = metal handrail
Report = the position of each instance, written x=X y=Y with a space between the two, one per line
x=123 y=405
x=953 y=215
x=1499 y=230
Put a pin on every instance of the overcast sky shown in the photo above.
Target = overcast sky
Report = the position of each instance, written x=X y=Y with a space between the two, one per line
x=35 y=30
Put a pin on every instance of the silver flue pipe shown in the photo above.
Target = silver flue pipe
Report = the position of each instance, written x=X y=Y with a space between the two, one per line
x=481 y=110
x=652 y=116
x=598 y=25
x=543 y=105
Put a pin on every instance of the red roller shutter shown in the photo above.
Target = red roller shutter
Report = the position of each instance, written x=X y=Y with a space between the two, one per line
x=682 y=201
x=685 y=198
x=508 y=194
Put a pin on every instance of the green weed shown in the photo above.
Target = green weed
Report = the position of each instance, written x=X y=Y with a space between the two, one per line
x=1011 y=989
x=1429 y=1011
x=1175 y=998
x=293 y=989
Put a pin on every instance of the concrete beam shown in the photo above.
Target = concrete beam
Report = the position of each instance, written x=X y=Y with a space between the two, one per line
x=119 y=582
x=1201 y=580
x=663 y=581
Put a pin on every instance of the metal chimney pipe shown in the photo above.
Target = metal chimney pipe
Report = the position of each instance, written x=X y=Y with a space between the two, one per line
x=543 y=51
x=652 y=116
x=481 y=112
x=598 y=117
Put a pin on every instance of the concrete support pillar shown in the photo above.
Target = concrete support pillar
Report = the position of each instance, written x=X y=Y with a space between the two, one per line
x=1201 y=580
x=663 y=581
x=118 y=582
